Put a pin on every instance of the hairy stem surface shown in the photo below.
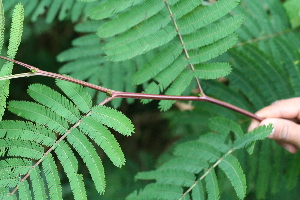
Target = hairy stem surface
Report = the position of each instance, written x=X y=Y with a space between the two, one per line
x=118 y=94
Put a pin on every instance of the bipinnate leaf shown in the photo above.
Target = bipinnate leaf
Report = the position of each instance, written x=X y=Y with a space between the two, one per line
x=113 y=119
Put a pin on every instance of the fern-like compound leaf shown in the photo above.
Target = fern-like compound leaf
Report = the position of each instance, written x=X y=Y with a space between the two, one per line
x=56 y=114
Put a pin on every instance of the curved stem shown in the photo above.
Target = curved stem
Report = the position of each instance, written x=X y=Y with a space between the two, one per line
x=118 y=94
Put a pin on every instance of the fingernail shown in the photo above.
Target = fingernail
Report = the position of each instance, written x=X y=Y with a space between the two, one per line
x=290 y=148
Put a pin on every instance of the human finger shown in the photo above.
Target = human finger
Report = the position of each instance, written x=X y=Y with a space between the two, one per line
x=286 y=108
x=285 y=131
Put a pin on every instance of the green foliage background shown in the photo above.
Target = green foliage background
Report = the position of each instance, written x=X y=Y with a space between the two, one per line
x=265 y=62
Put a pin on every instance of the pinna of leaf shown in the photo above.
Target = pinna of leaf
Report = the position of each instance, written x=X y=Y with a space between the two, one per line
x=119 y=94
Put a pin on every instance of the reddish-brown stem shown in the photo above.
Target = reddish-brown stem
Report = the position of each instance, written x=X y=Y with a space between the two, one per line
x=118 y=94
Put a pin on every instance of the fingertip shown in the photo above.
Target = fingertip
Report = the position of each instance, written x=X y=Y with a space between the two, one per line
x=290 y=148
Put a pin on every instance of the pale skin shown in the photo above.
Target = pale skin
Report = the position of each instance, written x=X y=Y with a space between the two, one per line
x=284 y=115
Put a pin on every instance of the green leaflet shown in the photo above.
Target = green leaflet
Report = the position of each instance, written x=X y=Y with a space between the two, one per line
x=54 y=101
x=141 y=46
x=38 y=184
x=211 y=51
x=52 y=178
x=128 y=19
x=27 y=131
x=90 y=157
x=203 y=16
x=211 y=70
x=39 y=114
x=223 y=125
x=70 y=166
x=257 y=134
x=212 y=33
x=197 y=192
x=171 y=176
x=24 y=190
x=157 y=191
x=212 y=188
x=113 y=119
x=158 y=63
x=24 y=149
x=77 y=94
x=103 y=137
x=14 y=42
x=234 y=172
x=110 y=8
x=2 y=23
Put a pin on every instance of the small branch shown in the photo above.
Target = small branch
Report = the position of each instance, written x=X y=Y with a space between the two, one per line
x=118 y=94
x=18 y=76
x=183 y=46
x=207 y=171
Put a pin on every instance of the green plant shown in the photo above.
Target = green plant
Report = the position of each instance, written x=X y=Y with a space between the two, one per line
x=168 y=47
